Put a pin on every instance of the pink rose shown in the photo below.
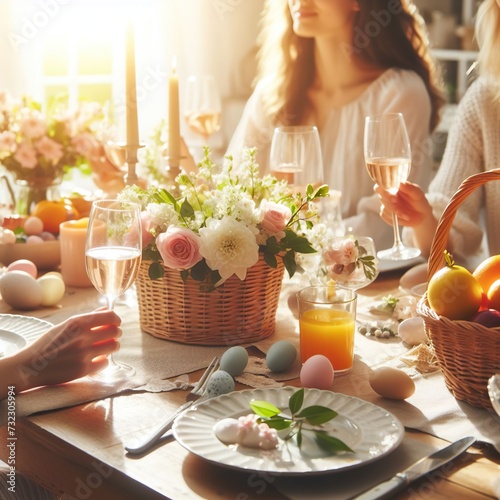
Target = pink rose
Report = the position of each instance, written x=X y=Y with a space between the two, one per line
x=32 y=124
x=179 y=248
x=147 y=224
x=275 y=216
x=342 y=252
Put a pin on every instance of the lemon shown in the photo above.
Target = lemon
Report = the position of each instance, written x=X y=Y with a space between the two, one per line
x=453 y=292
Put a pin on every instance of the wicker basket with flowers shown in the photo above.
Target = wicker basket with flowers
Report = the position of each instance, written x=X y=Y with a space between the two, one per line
x=215 y=252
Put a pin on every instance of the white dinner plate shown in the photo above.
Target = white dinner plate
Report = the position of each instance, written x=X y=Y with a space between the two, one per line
x=16 y=331
x=369 y=430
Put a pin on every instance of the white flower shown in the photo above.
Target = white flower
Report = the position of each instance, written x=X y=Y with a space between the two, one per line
x=229 y=247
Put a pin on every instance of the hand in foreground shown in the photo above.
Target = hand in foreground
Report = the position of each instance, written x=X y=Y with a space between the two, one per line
x=72 y=349
x=413 y=210
x=409 y=204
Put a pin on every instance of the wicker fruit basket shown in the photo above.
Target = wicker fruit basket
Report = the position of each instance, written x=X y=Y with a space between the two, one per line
x=468 y=353
x=237 y=312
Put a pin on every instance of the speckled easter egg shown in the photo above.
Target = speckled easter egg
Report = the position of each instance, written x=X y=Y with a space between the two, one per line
x=220 y=382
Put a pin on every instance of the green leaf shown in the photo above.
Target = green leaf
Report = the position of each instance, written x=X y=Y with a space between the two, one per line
x=200 y=270
x=317 y=415
x=330 y=443
x=296 y=400
x=184 y=275
x=289 y=262
x=264 y=409
x=187 y=210
x=299 y=438
x=270 y=259
x=301 y=245
x=156 y=271
x=278 y=423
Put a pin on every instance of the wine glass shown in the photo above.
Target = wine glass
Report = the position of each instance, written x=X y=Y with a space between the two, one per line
x=112 y=257
x=351 y=261
x=388 y=161
x=296 y=155
x=202 y=108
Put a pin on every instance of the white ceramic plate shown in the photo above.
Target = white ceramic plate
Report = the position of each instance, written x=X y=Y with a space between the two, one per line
x=16 y=331
x=369 y=430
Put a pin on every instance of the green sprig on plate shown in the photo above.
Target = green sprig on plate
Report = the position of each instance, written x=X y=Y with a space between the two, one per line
x=314 y=416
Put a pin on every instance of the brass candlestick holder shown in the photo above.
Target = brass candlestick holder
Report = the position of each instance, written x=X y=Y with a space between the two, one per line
x=124 y=155
x=173 y=170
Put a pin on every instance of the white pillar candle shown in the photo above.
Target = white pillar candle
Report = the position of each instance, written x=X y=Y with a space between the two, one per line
x=174 y=136
x=130 y=90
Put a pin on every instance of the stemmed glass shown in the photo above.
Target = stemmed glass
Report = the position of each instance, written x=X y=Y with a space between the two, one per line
x=112 y=257
x=351 y=261
x=296 y=155
x=202 y=107
x=388 y=161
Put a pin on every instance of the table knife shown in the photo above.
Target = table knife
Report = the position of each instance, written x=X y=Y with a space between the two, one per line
x=424 y=466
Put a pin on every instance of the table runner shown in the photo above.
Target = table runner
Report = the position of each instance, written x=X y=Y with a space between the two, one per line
x=431 y=409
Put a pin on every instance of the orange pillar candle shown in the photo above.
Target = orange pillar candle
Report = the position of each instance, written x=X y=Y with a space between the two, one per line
x=72 y=235
x=131 y=90
x=174 y=136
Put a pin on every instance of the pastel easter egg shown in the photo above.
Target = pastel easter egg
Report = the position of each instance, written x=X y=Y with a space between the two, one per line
x=317 y=372
x=392 y=383
x=220 y=382
x=20 y=290
x=234 y=360
x=281 y=356
x=53 y=289
x=24 y=265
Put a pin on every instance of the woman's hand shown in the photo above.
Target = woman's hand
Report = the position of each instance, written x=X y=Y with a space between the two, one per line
x=412 y=209
x=409 y=204
x=72 y=349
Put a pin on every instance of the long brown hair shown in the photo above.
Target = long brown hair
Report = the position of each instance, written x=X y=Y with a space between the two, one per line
x=287 y=61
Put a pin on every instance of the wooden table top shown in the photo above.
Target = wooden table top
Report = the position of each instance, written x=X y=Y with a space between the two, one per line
x=79 y=452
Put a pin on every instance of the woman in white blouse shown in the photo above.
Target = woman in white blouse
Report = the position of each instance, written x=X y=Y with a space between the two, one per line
x=331 y=63
x=473 y=146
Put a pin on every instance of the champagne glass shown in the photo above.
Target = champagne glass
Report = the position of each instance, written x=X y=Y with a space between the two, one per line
x=112 y=257
x=388 y=161
x=296 y=155
x=351 y=261
x=202 y=108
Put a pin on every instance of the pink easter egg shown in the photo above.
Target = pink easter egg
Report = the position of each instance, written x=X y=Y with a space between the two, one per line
x=24 y=265
x=317 y=372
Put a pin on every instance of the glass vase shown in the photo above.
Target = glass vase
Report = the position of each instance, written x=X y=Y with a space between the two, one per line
x=29 y=193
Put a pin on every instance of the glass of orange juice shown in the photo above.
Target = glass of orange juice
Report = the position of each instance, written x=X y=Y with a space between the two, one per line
x=327 y=319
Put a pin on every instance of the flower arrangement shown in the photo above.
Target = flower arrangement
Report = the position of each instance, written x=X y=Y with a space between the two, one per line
x=221 y=220
x=39 y=147
x=344 y=256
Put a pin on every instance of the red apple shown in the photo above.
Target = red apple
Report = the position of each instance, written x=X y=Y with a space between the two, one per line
x=489 y=318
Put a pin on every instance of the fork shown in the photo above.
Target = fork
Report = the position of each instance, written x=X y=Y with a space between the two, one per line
x=196 y=393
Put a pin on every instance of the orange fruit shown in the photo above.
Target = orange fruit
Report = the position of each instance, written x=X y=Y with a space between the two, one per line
x=453 y=292
x=487 y=272
x=494 y=295
x=52 y=213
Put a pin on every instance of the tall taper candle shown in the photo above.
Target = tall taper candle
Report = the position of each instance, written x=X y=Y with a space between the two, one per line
x=130 y=90
x=174 y=135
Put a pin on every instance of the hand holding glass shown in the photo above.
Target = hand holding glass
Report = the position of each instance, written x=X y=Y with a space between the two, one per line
x=112 y=257
x=388 y=161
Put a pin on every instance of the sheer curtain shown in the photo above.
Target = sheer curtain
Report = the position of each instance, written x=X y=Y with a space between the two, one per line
x=205 y=36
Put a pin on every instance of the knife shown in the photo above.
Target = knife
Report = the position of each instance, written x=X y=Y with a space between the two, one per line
x=424 y=466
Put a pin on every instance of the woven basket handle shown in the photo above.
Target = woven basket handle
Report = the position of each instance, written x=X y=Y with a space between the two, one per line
x=436 y=258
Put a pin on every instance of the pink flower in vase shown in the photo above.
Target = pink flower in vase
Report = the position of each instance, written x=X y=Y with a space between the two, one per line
x=26 y=156
x=52 y=150
x=340 y=258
